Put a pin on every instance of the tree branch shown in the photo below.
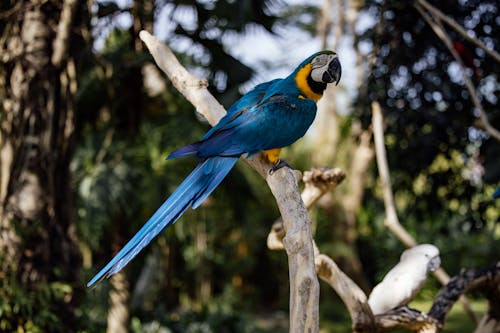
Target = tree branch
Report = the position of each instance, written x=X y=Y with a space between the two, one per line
x=304 y=285
x=441 y=33
x=391 y=219
x=487 y=279
x=454 y=25
x=408 y=319
x=317 y=183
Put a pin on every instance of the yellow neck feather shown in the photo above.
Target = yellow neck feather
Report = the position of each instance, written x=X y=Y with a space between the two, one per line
x=301 y=81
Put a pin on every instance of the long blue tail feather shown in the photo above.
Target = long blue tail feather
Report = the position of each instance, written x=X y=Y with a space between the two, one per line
x=189 y=150
x=192 y=192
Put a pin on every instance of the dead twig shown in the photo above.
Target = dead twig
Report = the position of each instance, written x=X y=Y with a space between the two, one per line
x=439 y=30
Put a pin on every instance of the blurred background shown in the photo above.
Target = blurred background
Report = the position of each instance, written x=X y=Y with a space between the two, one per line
x=87 y=120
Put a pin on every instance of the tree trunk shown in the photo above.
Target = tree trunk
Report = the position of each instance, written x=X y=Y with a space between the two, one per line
x=37 y=231
x=325 y=144
x=118 y=311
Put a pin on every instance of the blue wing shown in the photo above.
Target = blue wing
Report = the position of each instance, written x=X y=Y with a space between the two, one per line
x=276 y=122
x=247 y=101
x=253 y=97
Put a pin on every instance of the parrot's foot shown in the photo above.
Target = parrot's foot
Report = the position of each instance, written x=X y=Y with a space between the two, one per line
x=278 y=165
x=404 y=309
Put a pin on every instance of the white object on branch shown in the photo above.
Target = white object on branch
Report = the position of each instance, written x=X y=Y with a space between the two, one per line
x=404 y=280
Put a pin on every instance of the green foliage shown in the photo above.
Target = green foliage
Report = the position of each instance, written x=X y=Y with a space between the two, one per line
x=32 y=310
x=204 y=321
x=435 y=153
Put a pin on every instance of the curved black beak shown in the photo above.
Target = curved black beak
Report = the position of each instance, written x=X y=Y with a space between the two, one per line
x=333 y=73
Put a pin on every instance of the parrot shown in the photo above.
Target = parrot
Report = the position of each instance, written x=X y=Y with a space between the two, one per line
x=271 y=116
x=404 y=280
x=467 y=57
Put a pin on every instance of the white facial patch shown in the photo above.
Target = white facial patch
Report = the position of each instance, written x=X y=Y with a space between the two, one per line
x=320 y=65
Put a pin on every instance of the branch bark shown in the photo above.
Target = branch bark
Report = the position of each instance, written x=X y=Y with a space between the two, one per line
x=304 y=285
x=406 y=318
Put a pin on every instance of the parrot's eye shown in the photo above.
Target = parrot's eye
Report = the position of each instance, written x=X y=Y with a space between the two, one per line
x=322 y=60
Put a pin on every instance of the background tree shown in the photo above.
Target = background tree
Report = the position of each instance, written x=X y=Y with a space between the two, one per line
x=41 y=48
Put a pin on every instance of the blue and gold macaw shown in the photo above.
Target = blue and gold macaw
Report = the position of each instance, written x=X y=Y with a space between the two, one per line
x=273 y=115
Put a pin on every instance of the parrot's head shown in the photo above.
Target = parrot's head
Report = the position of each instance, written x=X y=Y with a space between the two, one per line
x=314 y=73
x=427 y=251
x=325 y=67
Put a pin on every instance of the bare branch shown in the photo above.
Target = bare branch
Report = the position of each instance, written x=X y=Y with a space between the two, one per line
x=318 y=182
x=392 y=220
x=193 y=88
x=351 y=294
x=353 y=297
x=441 y=33
x=487 y=279
x=446 y=19
x=304 y=286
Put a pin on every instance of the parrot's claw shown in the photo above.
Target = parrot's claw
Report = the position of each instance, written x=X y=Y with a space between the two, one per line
x=280 y=164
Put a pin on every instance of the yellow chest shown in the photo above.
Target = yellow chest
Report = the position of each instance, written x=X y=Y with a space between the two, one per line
x=303 y=85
